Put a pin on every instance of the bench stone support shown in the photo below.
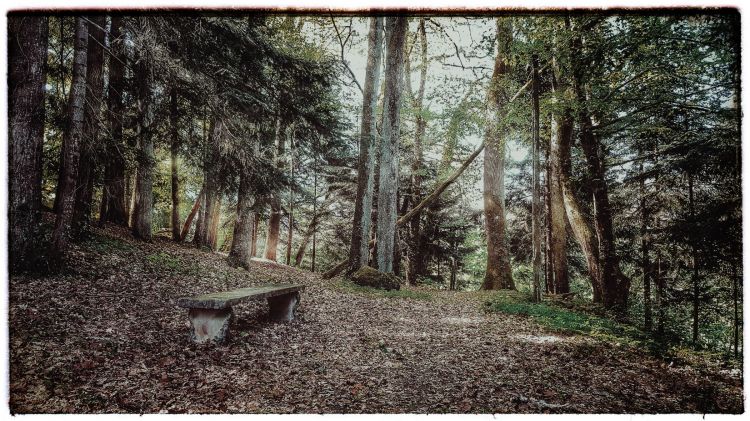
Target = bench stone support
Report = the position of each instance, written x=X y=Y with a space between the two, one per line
x=209 y=325
x=283 y=307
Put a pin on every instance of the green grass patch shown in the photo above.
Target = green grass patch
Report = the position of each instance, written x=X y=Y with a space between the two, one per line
x=104 y=244
x=167 y=262
x=348 y=286
x=555 y=317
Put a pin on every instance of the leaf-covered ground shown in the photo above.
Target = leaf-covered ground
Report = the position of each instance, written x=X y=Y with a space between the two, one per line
x=105 y=336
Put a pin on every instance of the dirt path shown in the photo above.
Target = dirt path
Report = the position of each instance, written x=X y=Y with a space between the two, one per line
x=106 y=338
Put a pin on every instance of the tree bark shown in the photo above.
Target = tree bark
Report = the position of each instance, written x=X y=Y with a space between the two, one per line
x=646 y=269
x=536 y=205
x=114 y=197
x=274 y=219
x=71 y=143
x=240 y=252
x=359 y=253
x=254 y=244
x=498 y=273
x=174 y=151
x=91 y=125
x=27 y=59
x=142 y=212
x=558 y=260
x=213 y=187
x=414 y=251
x=395 y=33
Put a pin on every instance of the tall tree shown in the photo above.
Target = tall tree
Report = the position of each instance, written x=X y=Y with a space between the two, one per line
x=71 y=143
x=174 y=151
x=274 y=219
x=613 y=283
x=416 y=258
x=144 y=74
x=558 y=260
x=27 y=57
x=114 y=203
x=498 y=274
x=536 y=204
x=244 y=225
x=91 y=125
x=359 y=252
x=395 y=34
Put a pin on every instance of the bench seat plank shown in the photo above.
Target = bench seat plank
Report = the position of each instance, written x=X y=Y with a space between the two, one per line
x=226 y=299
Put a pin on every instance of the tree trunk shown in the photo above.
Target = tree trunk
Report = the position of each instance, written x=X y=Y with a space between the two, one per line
x=274 y=219
x=240 y=253
x=414 y=252
x=558 y=250
x=536 y=205
x=71 y=143
x=613 y=284
x=290 y=220
x=114 y=198
x=274 y=224
x=579 y=224
x=359 y=251
x=27 y=59
x=213 y=187
x=646 y=269
x=696 y=273
x=498 y=273
x=91 y=124
x=174 y=150
x=144 y=177
x=254 y=244
x=395 y=28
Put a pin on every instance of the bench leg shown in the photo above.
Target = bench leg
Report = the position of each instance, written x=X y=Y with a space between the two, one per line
x=209 y=325
x=283 y=307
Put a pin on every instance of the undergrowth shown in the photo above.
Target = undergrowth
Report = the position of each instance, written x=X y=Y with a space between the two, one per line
x=348 y=286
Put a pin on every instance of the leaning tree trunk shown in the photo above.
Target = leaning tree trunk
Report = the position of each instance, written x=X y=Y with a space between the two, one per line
x=91 y=125
x=144 y=176
x=114 y=197
x=27 y=58
x=498 y=274
x=359 y=253
x=240 y=253
x=395 y=28
x=579 y=223
x=71 y=143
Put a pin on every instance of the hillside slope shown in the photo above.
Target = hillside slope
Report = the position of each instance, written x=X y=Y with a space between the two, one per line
x=106 y=337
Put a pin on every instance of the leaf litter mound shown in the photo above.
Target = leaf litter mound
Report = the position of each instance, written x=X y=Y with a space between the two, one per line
x=105 y=336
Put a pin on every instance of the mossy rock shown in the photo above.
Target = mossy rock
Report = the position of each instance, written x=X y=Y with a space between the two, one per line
x=369 y=277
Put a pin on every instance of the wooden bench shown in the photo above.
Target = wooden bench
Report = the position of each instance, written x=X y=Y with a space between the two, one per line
x=210 y=314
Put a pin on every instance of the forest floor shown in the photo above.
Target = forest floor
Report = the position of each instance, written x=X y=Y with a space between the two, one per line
x=105 y=336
